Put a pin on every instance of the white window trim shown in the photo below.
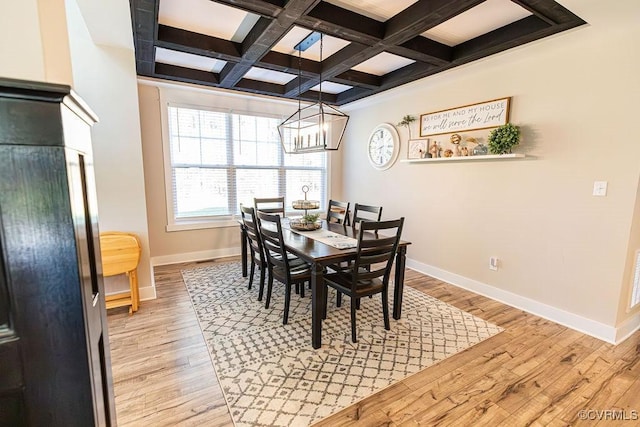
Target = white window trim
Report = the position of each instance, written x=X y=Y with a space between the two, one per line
x=174 y=224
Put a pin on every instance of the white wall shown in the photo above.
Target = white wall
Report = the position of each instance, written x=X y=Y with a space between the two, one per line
x=105 y=77
x=20 y=21
x=562 y=251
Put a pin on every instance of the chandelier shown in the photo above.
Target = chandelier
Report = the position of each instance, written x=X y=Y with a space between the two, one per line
x=316 y=127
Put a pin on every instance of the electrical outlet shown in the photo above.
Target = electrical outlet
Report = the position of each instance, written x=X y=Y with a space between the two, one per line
x=600 y=188
x=493 y=263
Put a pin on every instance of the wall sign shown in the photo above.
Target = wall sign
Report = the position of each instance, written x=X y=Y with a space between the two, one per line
x=470 y=117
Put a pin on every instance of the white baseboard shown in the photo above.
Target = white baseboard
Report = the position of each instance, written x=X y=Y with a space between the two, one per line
x=194 y=256
x=147 y=293
x=627 y=328
x=582 y=324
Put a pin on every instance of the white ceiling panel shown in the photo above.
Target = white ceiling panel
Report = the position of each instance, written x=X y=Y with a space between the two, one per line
x=330 y=45
x=383 y=63
x=380 y=10
x=485 y=17
x=331 y=87
x=269 y=76
x=188 y=60
x=207 y=17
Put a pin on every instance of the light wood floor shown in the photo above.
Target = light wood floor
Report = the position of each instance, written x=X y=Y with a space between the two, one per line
x=534 y=373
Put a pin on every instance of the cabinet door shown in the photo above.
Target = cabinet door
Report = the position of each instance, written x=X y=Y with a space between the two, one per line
x=11 y=381
x=54 y=363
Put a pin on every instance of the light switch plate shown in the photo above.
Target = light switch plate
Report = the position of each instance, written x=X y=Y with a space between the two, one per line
x=600 y=188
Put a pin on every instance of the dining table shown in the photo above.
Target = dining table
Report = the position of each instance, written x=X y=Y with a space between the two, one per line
x=319 y=255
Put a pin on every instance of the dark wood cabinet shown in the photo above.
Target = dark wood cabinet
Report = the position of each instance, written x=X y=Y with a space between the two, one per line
x=55 y=366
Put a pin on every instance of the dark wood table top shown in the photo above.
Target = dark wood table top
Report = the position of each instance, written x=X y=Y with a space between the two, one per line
x=312 y=250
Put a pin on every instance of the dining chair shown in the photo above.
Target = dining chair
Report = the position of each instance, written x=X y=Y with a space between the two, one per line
x=365 y=213
x=283 y=266
x=338 y=212
x=271 y=205
x=256 y=249
x=360 y=213
x=369 y=273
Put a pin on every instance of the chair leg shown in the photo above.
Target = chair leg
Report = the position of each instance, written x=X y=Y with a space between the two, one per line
x=269 y=286
x=263 y=271
x=353 y=321
x=358 y=303
x=287 y=302
x=251 y=273
x=302 y=290
x=339 y=299
x=385 y=309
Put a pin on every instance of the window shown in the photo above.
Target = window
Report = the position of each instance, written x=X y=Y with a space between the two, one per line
x=219 y=160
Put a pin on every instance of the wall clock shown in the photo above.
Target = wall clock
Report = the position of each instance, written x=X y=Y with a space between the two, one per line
x=383 y=146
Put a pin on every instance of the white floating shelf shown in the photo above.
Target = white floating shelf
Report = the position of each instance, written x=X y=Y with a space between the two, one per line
x=467 y=158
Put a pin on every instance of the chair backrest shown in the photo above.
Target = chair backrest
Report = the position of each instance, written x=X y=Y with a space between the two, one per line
x=376 y=251
x=366 y=213
x=273 y=242
x=338 y=212
x=253 y=233
x=271 y=205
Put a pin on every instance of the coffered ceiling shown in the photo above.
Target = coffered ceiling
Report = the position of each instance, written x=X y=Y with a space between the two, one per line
x=368 y=46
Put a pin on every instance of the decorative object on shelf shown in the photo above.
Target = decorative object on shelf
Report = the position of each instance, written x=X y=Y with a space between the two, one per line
x=383 y=146
x=434 y=150
x=480 y=149
x=464 y=151
x=502 y=138
x=483 y=115
x=448 y=152
x=317 y=127
x=406 y=122
x=455 y=140
x=418 y=149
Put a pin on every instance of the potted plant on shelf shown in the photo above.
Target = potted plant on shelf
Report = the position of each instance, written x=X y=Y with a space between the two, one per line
x=502 y=138
x=406 y=122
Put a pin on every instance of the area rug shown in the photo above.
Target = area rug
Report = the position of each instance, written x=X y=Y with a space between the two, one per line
x=271 y=375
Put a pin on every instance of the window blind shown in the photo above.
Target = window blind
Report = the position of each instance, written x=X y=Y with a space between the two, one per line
x=220 y=160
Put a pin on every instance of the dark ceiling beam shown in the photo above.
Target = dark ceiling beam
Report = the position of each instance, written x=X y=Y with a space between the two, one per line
x=196 y=43
x=266 y=8
x=264 y=88
x=423 y=49
x=144 y=18
x=537 y=8
x=342 y=23
x=406 y=25
x=401 y=35
x=422 y=16
x=264 y=34
x=353 y=94
x=512 y=35
x=187 y=75
x=358 y=78
x=515 y=34
x=291 y=64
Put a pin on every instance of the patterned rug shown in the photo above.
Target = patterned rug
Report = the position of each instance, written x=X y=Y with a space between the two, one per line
x=270 y=374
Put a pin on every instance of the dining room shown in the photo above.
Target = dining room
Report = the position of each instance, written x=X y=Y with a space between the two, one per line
x=508 y=288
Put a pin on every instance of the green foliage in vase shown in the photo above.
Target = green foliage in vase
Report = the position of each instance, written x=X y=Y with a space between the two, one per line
x=502 y=138
x=309 y=218
x=406 y=122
